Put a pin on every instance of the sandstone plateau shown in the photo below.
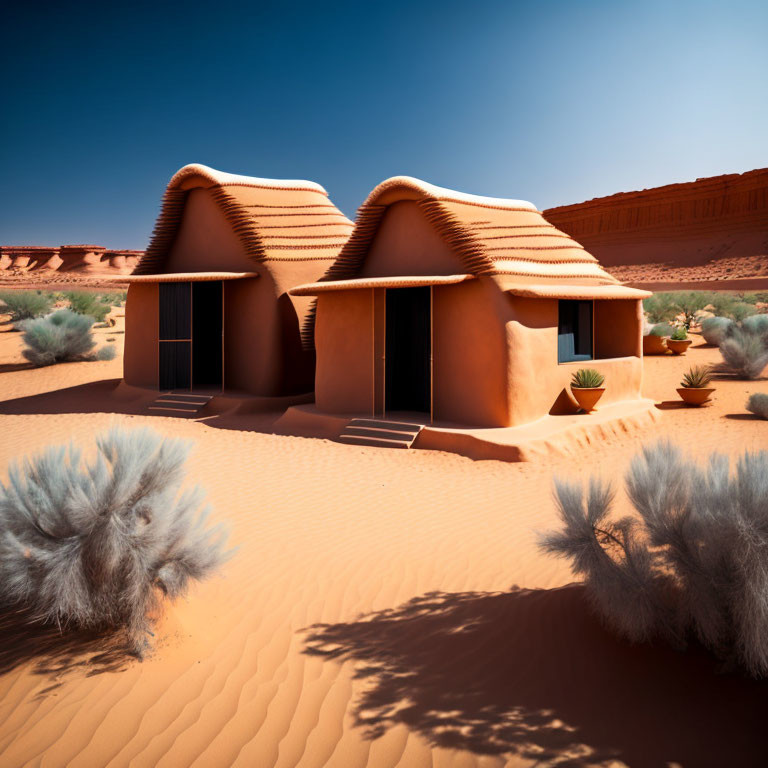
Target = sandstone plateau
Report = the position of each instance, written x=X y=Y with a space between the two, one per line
x=708 y=233
x=33 y=265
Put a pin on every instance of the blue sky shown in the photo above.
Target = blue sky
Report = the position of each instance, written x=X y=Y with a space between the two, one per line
x=553 y=102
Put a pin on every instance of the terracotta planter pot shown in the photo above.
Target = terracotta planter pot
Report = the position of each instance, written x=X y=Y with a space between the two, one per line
x=587 y=397
x=654 y=345
x=679 y=347
x=695 y=395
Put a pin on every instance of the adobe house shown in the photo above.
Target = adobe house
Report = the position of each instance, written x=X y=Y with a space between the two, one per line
x=208 y=305
x=468 y=310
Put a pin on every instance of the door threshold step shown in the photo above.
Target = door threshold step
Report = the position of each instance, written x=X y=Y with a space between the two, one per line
x=175 y=410
x=399 y=426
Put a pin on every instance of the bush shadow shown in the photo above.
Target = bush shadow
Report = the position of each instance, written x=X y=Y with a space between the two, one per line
x=55 y=651
x=532 y=673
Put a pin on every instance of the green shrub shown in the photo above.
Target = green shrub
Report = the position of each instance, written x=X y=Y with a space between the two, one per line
x=690 y=303
x=693 y=562
x=714 y=329
x=758 y=404
x=697 y=377
x=755 y=324
x=660 y=307
x=727 y=305
x=98 y=544
x=587 y=378
x=57 y=338
x=85 y=303
x=22 y=305
x=679 y=334
x=661 y=329
x=113 y=298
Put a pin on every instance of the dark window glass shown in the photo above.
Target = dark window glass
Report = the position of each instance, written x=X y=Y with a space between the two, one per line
x=574 y=332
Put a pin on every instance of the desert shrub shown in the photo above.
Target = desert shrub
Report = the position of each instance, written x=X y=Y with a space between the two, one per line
x=693 y=562
x=661 y=329
x=741 y=310
x=96 y=544
x=660 y=307
x=714 y=329
x=113 y=298
x=733 y=307
x=690 y=303
x=679 y=334
x=744 y=352
x=85 y=303
x=697 y=377
x=756 y=324
x=758 y=404
x=60 y=337
x=586 y=378
x=22 y=305
x=107 y=352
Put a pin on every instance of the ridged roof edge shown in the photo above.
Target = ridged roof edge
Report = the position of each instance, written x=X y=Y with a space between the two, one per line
x=222 y=178
x=425 y=189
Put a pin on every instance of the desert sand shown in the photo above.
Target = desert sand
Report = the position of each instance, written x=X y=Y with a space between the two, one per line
x=384 y=608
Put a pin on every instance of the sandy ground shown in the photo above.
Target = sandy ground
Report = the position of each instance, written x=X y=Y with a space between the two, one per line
x=426 y=654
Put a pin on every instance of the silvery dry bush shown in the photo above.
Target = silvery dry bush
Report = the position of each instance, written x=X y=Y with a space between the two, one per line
x=758 y=404
x=714 y=329
x=745 y=351
x=62 y=336
x=97 y=544
x=693 y=561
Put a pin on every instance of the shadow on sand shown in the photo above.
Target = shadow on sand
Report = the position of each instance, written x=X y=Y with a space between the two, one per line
x=110 y=396
x=54 y=652
x=532 y=673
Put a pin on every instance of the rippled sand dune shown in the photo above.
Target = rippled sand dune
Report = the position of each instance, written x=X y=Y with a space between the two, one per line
x=384 y=608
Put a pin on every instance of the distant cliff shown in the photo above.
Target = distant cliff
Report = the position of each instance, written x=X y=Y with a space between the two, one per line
x=713 y=228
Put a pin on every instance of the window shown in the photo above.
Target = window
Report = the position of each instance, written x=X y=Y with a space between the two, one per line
x=574 y=331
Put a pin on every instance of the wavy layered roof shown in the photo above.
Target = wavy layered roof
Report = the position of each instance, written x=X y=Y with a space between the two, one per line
x=491 y=236
x=276 y=220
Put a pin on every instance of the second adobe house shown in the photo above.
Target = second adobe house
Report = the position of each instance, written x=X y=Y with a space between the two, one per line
x=208 y=305
x=468 y=310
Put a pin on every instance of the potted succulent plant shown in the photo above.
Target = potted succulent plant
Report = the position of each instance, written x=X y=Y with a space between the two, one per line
x=694 y=388
x=653 y=341
x=679 y=342
x=587 y=387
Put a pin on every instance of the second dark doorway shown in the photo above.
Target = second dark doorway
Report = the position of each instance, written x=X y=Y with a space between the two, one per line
x=408 y=349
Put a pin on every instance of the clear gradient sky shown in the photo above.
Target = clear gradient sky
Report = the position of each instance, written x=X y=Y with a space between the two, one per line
x=552 y=101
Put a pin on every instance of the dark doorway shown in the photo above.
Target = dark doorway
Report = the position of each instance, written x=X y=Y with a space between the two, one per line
x=190 y=334
x=207 y=304
x=408 y=349
x=175 y=334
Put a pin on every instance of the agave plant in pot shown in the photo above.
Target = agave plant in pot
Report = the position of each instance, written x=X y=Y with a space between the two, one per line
x=587 y=387
x=679 y=342
x=694 y=388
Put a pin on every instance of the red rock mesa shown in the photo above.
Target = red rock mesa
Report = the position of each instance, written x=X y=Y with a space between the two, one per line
x=704 y=231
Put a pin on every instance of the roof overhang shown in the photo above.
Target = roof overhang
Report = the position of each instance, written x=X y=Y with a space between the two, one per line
x=511 y=284
x=183 y=277
x=400 y=281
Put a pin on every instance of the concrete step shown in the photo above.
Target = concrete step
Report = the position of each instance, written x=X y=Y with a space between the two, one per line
x=376 y=442
x=390 y=434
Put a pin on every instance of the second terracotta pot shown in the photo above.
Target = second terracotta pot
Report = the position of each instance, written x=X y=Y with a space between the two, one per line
x=587 y=397
x=695 y=395
x=679 y=347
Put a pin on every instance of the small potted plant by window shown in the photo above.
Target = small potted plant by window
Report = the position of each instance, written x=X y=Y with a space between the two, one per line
x=679 y=342
x=653 y=341
x=587 y=387
x=694 y=388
